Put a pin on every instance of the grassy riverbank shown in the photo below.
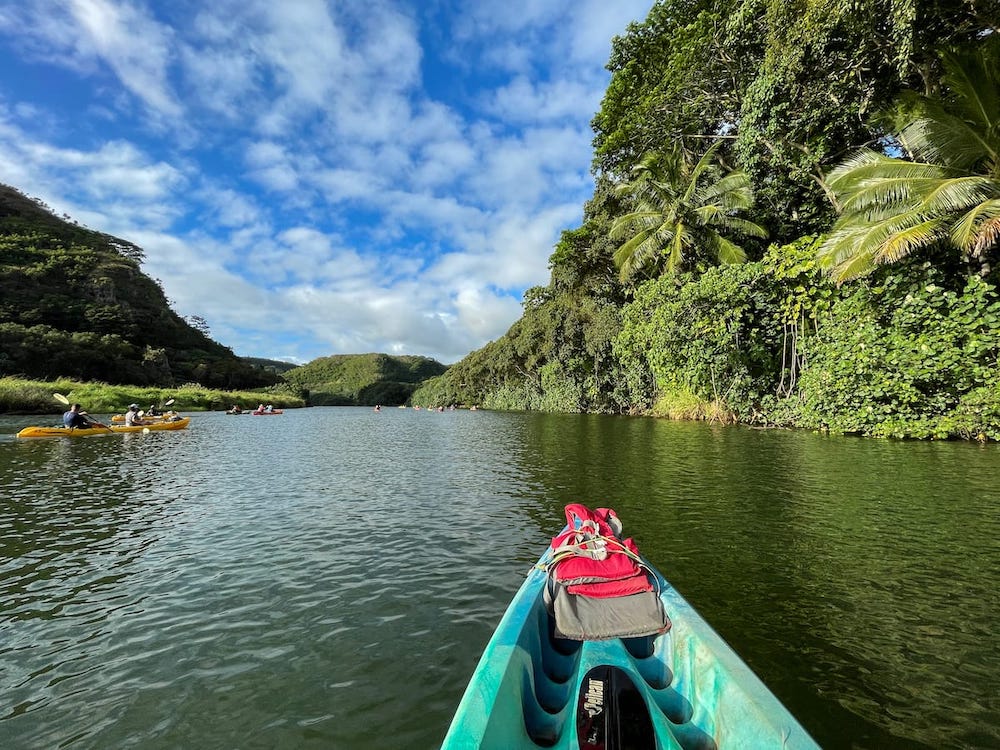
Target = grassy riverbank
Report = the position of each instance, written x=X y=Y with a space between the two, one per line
x=22 y=396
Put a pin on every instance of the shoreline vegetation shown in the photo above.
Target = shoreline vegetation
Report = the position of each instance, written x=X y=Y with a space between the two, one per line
x=22 y=396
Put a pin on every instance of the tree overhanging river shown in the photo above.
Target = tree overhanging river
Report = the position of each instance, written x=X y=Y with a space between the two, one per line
x=328 y=578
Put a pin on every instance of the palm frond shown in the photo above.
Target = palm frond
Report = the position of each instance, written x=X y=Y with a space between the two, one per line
x=872 y=196
x=855 y=250
x=635 y=221
x=733 y=191
x=906 y=239
x=860 y=159
x=958 y=194
x=942 y=138
x=729 y=252
x=867 y=163
x=634 y=254
x=701 y=169
x=843 y=258
x=973 y=79
x=675 y=250
x=976 y=230
x=741 y=226
x=628 y=249
x=868 y=181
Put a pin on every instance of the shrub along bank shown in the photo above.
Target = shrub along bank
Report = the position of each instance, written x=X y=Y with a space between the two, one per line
x=22 y=396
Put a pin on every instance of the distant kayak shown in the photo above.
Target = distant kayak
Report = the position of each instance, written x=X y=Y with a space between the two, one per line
x=554 y=674
x=266 y=413
x=72 y=432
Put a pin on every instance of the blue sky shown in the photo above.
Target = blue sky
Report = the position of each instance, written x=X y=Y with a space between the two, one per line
x=313 y=177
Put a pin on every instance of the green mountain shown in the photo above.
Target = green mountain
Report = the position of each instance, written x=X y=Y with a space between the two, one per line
x=74 y=303
x=272 y=365
x=363 y=379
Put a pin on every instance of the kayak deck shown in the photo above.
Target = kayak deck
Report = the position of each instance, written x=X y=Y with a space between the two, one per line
x=530 y=688
x=171 y=424
x=120 y=418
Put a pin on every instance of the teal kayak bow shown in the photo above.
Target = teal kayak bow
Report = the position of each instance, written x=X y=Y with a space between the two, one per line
x=684 y=689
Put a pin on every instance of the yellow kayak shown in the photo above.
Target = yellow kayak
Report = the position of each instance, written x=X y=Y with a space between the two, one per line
x=48 y=432
x=120 y=418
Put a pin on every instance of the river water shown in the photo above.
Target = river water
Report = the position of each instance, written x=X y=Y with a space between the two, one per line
x=327 y=578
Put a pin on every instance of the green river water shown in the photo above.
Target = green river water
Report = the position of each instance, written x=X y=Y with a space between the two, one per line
x=327 y=578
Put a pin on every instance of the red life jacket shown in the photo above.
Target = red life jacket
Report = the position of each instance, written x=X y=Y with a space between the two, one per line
x=592 y=559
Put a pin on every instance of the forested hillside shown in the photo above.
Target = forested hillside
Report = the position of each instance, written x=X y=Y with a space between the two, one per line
x=796 y=221
x=75 y=304
x=362 y=379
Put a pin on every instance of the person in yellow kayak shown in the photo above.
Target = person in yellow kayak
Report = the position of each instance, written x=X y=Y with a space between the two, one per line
x=132 y=418
x=75 y=418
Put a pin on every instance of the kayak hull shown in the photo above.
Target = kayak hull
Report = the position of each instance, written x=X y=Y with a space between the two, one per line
x=530 y=686
x=50 y=432
x=266 y=413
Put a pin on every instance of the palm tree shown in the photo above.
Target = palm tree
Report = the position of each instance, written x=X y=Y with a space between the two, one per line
x=682 y=214
x=949 y=190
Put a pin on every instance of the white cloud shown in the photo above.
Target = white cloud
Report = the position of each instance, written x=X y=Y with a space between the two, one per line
x=588 y=39
x=228 y=208
x=87 y=35
x=524 y=100
x=440 y=162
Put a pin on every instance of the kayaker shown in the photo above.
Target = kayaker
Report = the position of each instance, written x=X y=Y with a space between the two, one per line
x=132 y=418
x=74 y=418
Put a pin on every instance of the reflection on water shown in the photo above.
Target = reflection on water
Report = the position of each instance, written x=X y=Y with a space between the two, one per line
x=328 y=578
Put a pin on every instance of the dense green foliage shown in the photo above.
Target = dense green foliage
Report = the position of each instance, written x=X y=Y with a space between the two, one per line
x=794 y=83
x=783 y=92
x=362 y=379
x=74 y=303
x=36 y=397
x=910 y=356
